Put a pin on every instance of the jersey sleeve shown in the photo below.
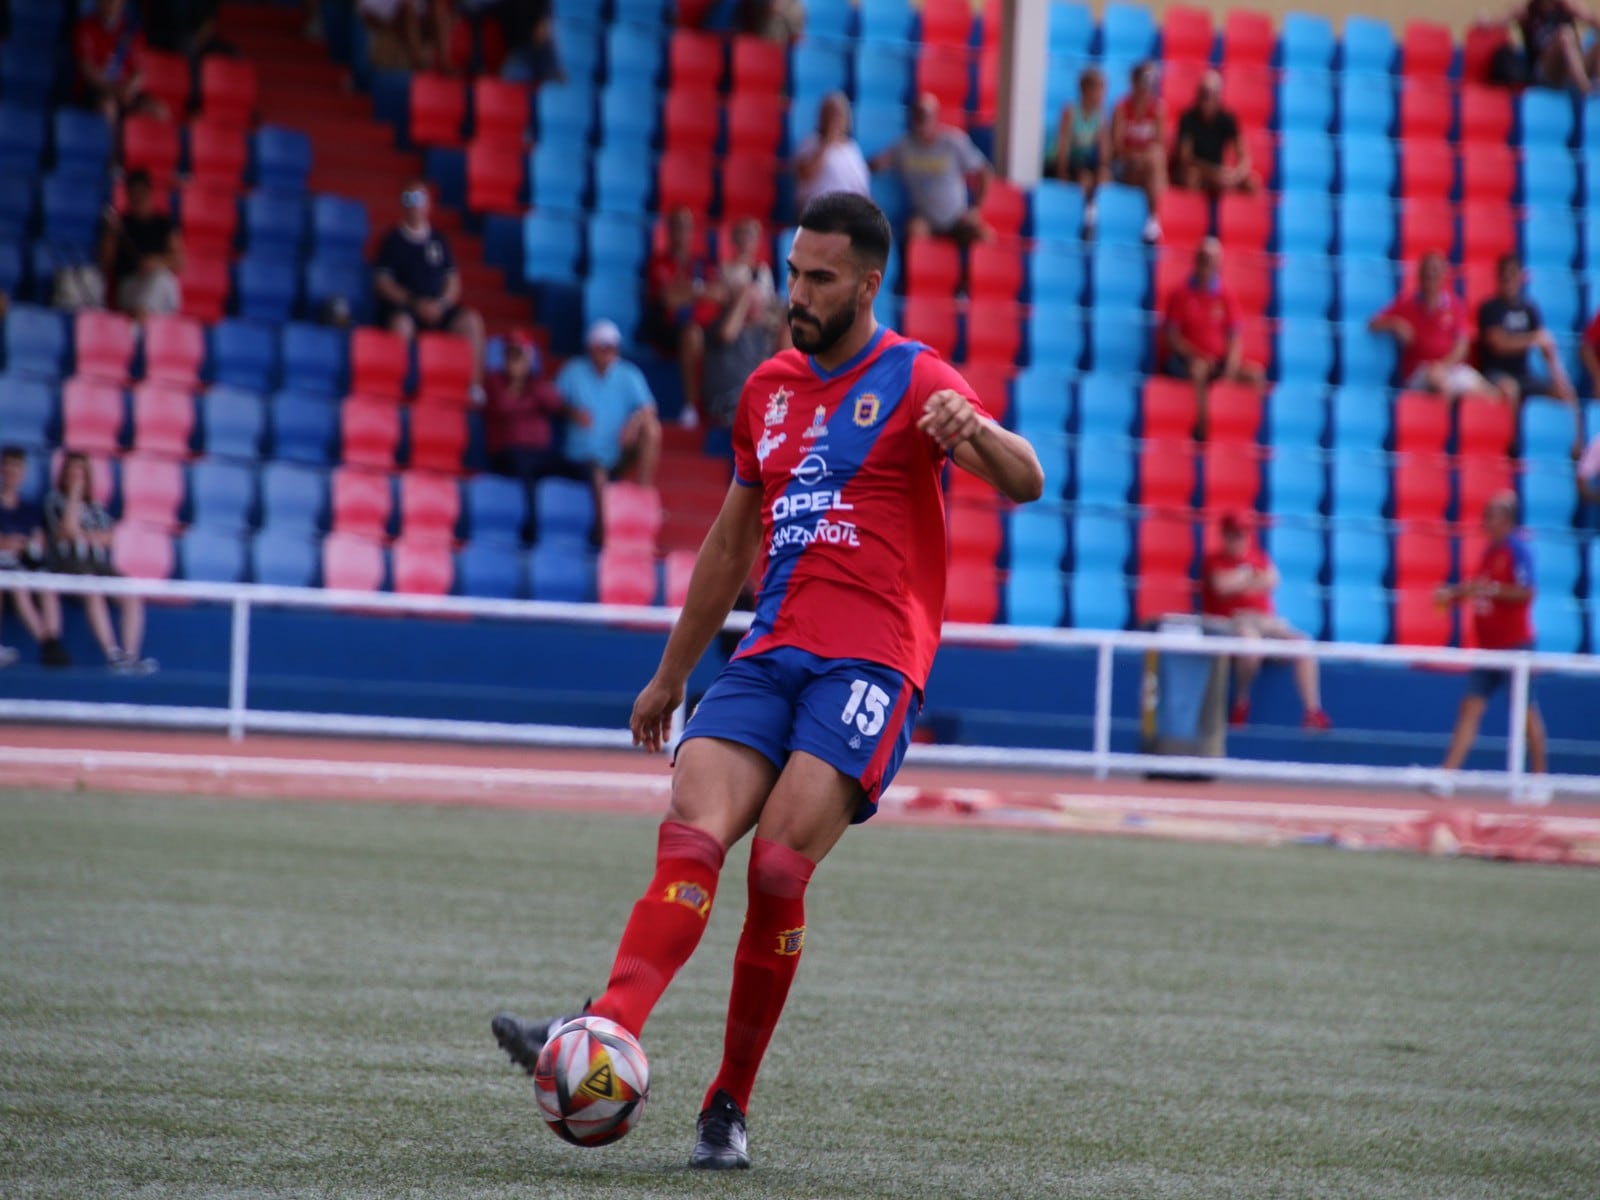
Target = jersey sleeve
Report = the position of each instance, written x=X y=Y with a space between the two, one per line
x=746 y=467
x=930 y=374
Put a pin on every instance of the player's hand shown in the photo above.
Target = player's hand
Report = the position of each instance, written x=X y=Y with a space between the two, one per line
x=949 y=418
x=651 y=722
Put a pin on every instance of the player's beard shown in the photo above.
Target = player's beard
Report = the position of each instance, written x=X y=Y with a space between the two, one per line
x=818 y=337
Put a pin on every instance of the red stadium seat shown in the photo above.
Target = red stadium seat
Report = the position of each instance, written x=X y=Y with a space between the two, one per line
x=1167 y=409
x=152 y=490
x=163 y=419
x=174 y=348
x=1426 y=49
x=1248 y=279
x=760 y=66
x=987 y=101
x=362 y=501
x=499 y=110
x=369 y=431
x=1251 y=92
x=352 y=563
x=204 y=284
x=994 y=333
x=1004 y=208
x=633 y=516
x=1248 y=38
x=1478 y=480
x=946 y=22
x=943 y=71
x=1156 y=596
x=992 y=384
x=1422 y=556
x=973 y=594
x=749 y=188
x=167 y=79
x=1255 y=340
x=438 y=436
x=1185 y=218
x=1486 y=114
x=103 y=342
x=153 y=145
x=422 y=566
x=1427 y=225
x=1419 y=621
x=1245 y=222
x=1488 y=230
x=444 y=368
x=142 y=551
x=691 y=120
x=210 y=217
x=1166 y=473
x=1186 y=35
x=1263 y=147
x=932 y=266
x=694 y=61
x=685 y=179
x=1233 y=412
x=495 y=176
x=1421 y=423
x=379 y=363
x=932 y=320
x=1179 y=82
x=1488 y=173
x=680 y=566
x=627 y=576
x=976 y=533
x=755 y=124
x=1427 y=168
x=1421 y=487
x=438 y=109
x=228 y=90
x=430 y=505
x=91 y=415
x=1174 y=268
x=1485 y=428
x=1165 y=542
x=1426 y=110
x=1482 y=44
x=218 y=152
x=994 y=271
x=1232 y=473
x=1479 y=280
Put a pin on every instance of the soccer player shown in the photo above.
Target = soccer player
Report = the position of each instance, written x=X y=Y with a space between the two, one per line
x=839 y=446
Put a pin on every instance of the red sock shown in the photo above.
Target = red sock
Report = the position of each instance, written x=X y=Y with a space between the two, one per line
x=764 y=965
x=665 y=925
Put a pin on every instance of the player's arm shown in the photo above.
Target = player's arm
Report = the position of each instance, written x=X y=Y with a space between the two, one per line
x=720 y=570
x=980 y=445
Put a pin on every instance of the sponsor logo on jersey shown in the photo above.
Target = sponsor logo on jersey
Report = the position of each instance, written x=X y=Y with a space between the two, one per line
x=768 y=443
x=819 y=425
x=791 y=941
x=829 y=533
x=778 y=407
x=810 y=470
x=689 y=894
x=801 y=503
x=865 y=411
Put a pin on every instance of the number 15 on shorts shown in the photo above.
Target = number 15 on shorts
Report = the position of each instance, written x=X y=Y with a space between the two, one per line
x=867 y=708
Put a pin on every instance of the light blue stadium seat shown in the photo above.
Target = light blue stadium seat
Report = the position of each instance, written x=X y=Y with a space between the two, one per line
x=1299 y=549
x=1358 y=553
x=1557 y=624
x=1304 y=350
x=1358 y=613
x=1297 y=483
x=281 y=158
x=1360 y=485
x=633 y=53
x=551 y=245
x=1548 y=175
x=1104 y=471
x=82 y=141
x=1555 y=290
x=1368 y=167
x=1305 y=163
x=1127 y=31
x=615 y=297
x=643 y=12
x=232 y=423
x=222 y=494
x=1361 y=419
x=557 y=182
x=889 y=194
x=830 y=18
x=1118 y=70
x=617 y=243
x=884 y=20
x=1549 y=493
x=1055 y=336
x=880 y=122
x=314 y=359
x=1057 y=211
x=210 y=555
x=304 y=428
x=285 y=558
x=265 y=286
x=620 y=185
x=1547 y=429
x=1366 y=286
x=294 y=498
x=244 y=355
x=274 y=223
x=1368 y=45
x=1121 y=275
x=1120 y=341
x=1108 y=405
x=819 y=65
x=1057 y=273
x=1303 y=287
x=1101 y=544
x=629 y=115
x=1306 y=40
x=339 y=227
x=1305 y=100
x=1300 y=603
x=1557 y=562
x=1038 y=537
x=1072 y=28
x=1367 y=104
x=492 y=570
x=562 y=571
x=1545 y=118
x=582 y=44
x=1099 y=600
x=1306 y=225
x=1034 y=595
x=563 y=511
x=38 y=342
x=27 y=412
x=494 y=509
x=1123 y=212
x=1297 y=415
x=802 y=117
x=1549 y=238
x=1365 y=358
x=1042 y=396
x=565 y=112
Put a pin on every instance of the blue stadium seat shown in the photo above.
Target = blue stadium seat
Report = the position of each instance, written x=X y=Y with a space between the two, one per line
x=1555 y=290
x=617 y=243
x=294 y=498
x=1101 y=544
x=884 y=20
x=16 y=207
x=72 y=208
x=1104 y=470
x=502 y=245
x=633 y=53
x=1099 y=600
x=551 y=243
x=492 y=570
x=1300 y=603
x=1360 y=419
x=38 y=342
x=1299 y=549
x=564 y=112
x=281 y=158
x=643 y=12
x=1305 y=163
x=1557 y=561
x=883 y=72
x=1366 y=285
x=1547 y=429
x=1545 y=118
x=563 y=511
x=285 y=558
x=1549 y=493
x=1072 y=28
x=210 y=555
x=265 y=286
x=1306 y=225
x=1369 y=168
x=1057 y=211
x=1057 y=273
x=1042 y=397
x=1037 y=538
x=1034 y=595
x=13 y=268
x=1305 y=100
x=1121 y=276
x=879 y=124
x=493 y=508
x=232 y=422
x=615 y=297
x=27 y=77
x=314 y=358
x=557 y=181
x=22 y=140
x=1127 y=31
x=1123 y=212
x=305 y=429
x=27 y=413
x=1304 y=350
x=1368 y=45
x=339 y=228
x=1120 y=341
x=1297 y=416
x=1360 y=485
x=222 y=494
x=1306 y=40
x=1297 y=483
x=819 y=65
x=1365 y=358
x=82 y=141
x=619 y=184
x=1108 y=405
x=1548 y=175
x=890 y=195
x=1549 y=238
x=830 y=19
x=562 y=570
x=1055 y=336
x=1303 y=286
x=1557 y=624
x=1359 y=553
x=328 y=279
x=243 y=355
x=629 y=115
x=1367 y=105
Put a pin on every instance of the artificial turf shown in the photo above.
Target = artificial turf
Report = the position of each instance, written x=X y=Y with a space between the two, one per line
x=240 y=999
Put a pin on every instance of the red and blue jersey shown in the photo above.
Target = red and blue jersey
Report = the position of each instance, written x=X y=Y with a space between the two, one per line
x=852 y=509
x=1504 y=624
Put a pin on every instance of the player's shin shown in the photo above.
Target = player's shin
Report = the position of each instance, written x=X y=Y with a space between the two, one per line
x=665 y=926
x=764 y=964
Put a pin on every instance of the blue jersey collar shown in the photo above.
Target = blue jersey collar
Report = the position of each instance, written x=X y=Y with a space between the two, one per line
x=849 y=364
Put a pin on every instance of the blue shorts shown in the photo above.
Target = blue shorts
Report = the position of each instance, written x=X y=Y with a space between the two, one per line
x=1484 y=682
x=854 y=715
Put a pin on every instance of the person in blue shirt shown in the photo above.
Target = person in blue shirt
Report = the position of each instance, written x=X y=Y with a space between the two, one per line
x=612 y=424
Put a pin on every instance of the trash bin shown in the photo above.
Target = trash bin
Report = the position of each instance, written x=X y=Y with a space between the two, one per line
x=1185 y=695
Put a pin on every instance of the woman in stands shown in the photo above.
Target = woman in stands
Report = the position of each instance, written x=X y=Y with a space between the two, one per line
x=1083 y=142
x=1139 y=143
x=1554 y=46
x=78 y=539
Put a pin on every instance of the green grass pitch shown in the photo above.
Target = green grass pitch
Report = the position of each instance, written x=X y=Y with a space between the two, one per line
x=241 y=999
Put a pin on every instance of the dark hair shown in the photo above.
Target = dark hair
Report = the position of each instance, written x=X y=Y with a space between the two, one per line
x=858 y=218
x=137 y=177
x=1507 y=260
x=67 y=459
x=13 y=452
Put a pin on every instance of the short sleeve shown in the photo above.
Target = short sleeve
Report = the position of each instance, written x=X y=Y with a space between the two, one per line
x=930 y=374
x=968 y=154
x=746 y=467
x=1230 y=128
x=385 y=261
x=1535 y=317
x=1186 y=123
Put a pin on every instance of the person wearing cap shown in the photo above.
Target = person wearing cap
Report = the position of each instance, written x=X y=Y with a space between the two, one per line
x=520 y=415
x=612 y=423
x=1432 y=330
x=1236 y=584
x=935 y=161
x=1208 y=135
x=418 y=285
x=1199 y=338
x=1499 y=594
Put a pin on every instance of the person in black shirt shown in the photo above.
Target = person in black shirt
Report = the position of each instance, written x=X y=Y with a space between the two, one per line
x=1553 y=42
x=1509 y=325
x=1208 y=134
x=141 y=254
x=21 y=549
x=418 y=285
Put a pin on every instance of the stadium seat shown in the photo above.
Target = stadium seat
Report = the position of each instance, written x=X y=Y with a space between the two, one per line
x=562 y=571
x=1366 y=359
x=1427 y=112
x=1305 y=226
x=438 y=436
x=694 y=62
x=104 y=344
x=499 y=110
x=1108 y=406
x=933 y=266
x=633 y=516
x=369 y=431
x=563 y=512
x=1232 y=476
x=1545 y=117
x=174 y=348
x=37 y=342
x=1057 y=274
x=1167 y=409
x=933 y=321
x=232 y=422
x=1306 y=40
x=1055 y=336
x=212 y=555
x=994 y=333
x=1548 y=175
x=444 y=368
x=210 y=218
x=91 y=415
x=275 y=222
x=228 y=90
x=492 y=570
x=353 y=563
x=1550 y=248
x=430 y=505
x=1484 y=428
x=1479 y=479
x=495 y=176
x=304 y=428
x=1104 y=472
x=627 y=575
x=1421 y=487
x=327 y=280
x=1486 y=115
x=422 y=566
x=995 y=272
x=437 y=110
x=313 y=359
x=266 y=286
x=163 y=420
x=379 y=363
x=1366 y=285
x=222 y=495
x=27 y=412
x=1167 y=473
x=82 y=142
x=1303 y=286
x=218 y=152
x=1488 y=230
x=495 y=509
x=1121 y=341
x=243 y=355
x=142 y=551
x=1360 y=485
x=152 y=490
x=1368 y=167
x=152 y=145
x=285 y=558
x=23 y=134
x=281 y=158
x=757 y=66
x=1558 y=624
x=1427 y=167
x=361 y=501
x=339 y=228
x=1304 y=351
x=755 y=126
x=1547 y=429
x=1418 y=619
x=1421 y=424
x=686 y=179
x=1305 y=100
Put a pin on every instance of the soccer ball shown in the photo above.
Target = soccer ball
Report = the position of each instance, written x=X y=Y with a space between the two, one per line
x=591 y=1081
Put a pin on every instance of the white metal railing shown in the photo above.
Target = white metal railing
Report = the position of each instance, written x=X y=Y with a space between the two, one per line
x=238 y=718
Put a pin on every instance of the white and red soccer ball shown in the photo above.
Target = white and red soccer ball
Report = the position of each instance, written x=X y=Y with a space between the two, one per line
x=591 y=1081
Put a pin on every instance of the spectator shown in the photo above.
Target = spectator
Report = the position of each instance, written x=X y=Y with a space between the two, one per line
x=141 y=253
x=1431 y=327
x=613 y=424
x=935 y=162
x=405 y=35
x=1083 y=142
x=1208 y=135
x=1200 y=332
x=1589 y=471
x=1589 y=354
x=1139 y=143
x=186 y=27
x=682 y=297
x=1509 y=325
x=1500 y=592
x=418 y=285
x=830 y=160
x=780 y=21
x=534 y=57
x=78 y=542
x=522 y=415
x=747 y=330
x=108 y=46
x=21 y=548
x=1236 y=585
x=1554 y=46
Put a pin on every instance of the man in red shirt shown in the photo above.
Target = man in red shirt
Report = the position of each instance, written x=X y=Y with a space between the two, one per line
x=1200 y=333
x=1500 y=593
x=1434 y=333
x=107 y=49
x=683 y=296
x=1236 y=585
x=839 y=448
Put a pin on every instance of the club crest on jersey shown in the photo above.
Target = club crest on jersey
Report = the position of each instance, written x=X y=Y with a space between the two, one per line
x=768 y=444
x=690 y=895
x=865 y=411
x=778 y=407
x=791 y=941
x=819 y=425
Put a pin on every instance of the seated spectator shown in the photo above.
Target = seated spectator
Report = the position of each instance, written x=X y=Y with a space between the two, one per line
x=830 y=160
x=141 y=253
x=186 y=27
x=1236 y=585
x=682 y=297
x=107 y=47
x=1139 y=143
x=532 y=56
x=780 y=21
x=612 y=425
x=418 y=285
x=78 y=542
x=21 y=549
x=1509 y=325
x=522 y=415
x=1200 y=338
x=1589 y=354
x=1589 y=471
x=749 y=328
x=1083 y=142
x=1554 y=46
x=1208 y=137
x=935 y=162
x=405 y=35
x=1431 y=327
